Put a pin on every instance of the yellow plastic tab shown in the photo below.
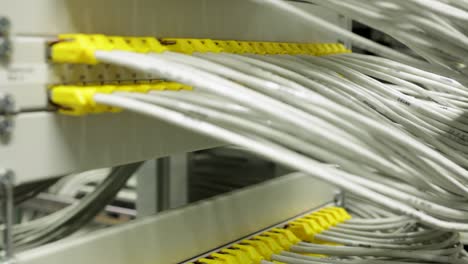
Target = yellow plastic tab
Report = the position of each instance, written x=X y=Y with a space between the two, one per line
x=251 y=251
x=189 y=46
x=322 y=49
x=211 y=261
x=261 y=48
x=264 y=245
x=241 y=256
x=270 y=242
x=305 y=47
x=247 y=47
x=79 y=99
x=227 y=259
x=119 y=43
x=73 y=49
x=81 y=48
x=301 y=230
x=280 y=238
x=226 y=46
x=320 y=220
x=289 y=235
x=173 y=86
x=290 y=48
x=342 y=212
x=330 y=217
x=271 y=48
x=279 y=48
x=339 y=216
x=312 y=223
x=145 y=44
x=236 y=47
x=260 y=246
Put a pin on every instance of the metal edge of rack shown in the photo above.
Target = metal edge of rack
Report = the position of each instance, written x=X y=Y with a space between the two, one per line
x=178 y=235
x=54 y=145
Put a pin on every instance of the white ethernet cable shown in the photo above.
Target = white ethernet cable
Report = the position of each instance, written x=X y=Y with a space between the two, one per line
x=398 y=242
x=327 y=26
x=187 y=75
x=434 y=255
x=272 y=151
x=264 y=131
x=452 y=118
x=268 y=150
x=439 y=7
x=199 y=62
x=455 y=114
x=241 y=67
x=402 y=243
x=422 y=46
x=58 y=224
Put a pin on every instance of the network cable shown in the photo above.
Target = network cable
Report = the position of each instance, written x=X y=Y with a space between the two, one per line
x=271 y=151
x=447 y=182
x=434 y=30
x=264 y=130
x=70 y=219
x=312 y=238
x=380 y=138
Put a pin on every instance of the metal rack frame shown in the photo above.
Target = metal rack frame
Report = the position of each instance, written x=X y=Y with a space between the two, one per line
x=52 y=145
x=57 y=145
x=178 y=235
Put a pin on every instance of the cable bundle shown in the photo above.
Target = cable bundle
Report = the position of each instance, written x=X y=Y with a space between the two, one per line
x=75 y=185
x=332 y=235
x=70 y=219
x=434 y=29
x=376 y=236
x=306 y=119
x=27 y=191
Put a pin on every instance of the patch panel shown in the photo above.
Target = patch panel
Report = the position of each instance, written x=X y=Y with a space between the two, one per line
x=278 y=239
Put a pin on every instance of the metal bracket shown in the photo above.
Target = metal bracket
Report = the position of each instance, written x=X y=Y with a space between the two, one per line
x=5 y=41
x=340 y=198
x=7 y=105
x=7 y=109
x=7 y=187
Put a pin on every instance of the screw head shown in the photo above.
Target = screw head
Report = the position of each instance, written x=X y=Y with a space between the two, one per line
x=5 y=25
x=7 y=104
x=6 y=126
x=5 y=47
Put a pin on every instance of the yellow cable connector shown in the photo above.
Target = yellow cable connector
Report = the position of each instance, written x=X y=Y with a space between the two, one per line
x=322 y=49
x=270 y=242
x=276 y=240
x=210 y=261
x=306 y=227
x=320 y=220
x=189 y=46
x=280 y=238
x=344 y=215
x=330 y=217
x=260 y=246
x=251 y=252
x=241 y=256
x=302 y=230
x=226 y=258
x=78 y=100
x=81 y=48
x=288 y=234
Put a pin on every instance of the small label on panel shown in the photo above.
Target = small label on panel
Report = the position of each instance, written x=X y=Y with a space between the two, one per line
x=24 y=73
